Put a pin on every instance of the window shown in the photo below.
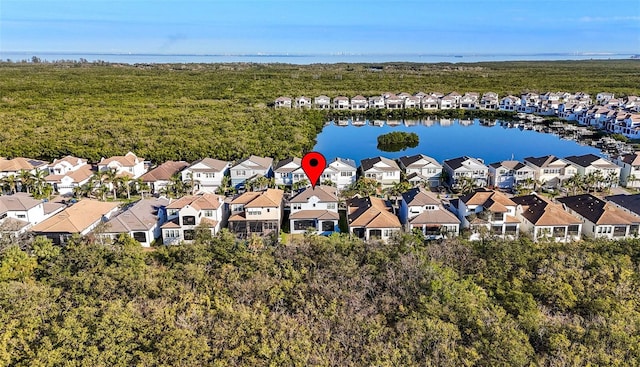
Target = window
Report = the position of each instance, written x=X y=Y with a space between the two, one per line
x=429 y=207
x=498 y=216
x=558 y=231
x=171 y=233
x=296 y=206
x=189 y=220
x=241 y=173
x=572 y=230
x=198 y=175
x=328 y=226
x=21 y=216
x=209 y=175
x=302 y=225
x=254 y=212
x=140 y=236
x=389 y=174
x=331 y=205
x=189 y=234
x=496 y=229
x=620 y=231
x=172 y=212
x=346 y=174
x=209 y=213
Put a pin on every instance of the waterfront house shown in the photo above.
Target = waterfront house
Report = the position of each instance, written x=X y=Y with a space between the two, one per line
x=629 y=169
x=141 y=221
x=20 y=211
x=543 y=219
x=601 y=219
x=509 y=174
x=77 y=219
x=303 y=102
x=322 y=102
x=315 y=209
x=393 y=102
x=429 y=102
x=372 y=218
x=341 y=171
x=551 y=170
x=13 y=167
x=469 y=101
x=421 y=169
x=447 y=103
x=206 y=174
x=509 y=103
x=592 y=164
x=411 y=102
x=124 y=165
x=256 y=213
x=529 y=102
x=251 y=168
x=187 y=214
x=456 y=97
x=489 y=101
x=289 y=171
x=359 y=103
x=283 y=102
x=630 y=203
x=341 y=103
x=376 y=102
x=67 y=173
x=422 y=210
x=383 y=170
x=160 y=177
x=489 y=211
x=473 y=168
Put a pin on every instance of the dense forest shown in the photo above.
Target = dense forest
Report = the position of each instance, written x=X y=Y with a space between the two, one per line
x=322 y=301
x=190 y=111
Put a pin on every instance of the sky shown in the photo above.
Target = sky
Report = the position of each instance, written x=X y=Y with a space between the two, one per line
x=320 y=27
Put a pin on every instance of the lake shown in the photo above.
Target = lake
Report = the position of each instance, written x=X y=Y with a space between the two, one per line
x=446 y=139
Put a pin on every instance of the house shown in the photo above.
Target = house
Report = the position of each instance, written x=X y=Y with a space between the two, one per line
x=588 y=164
x=601 y=219
x=469 y=101
x=184 y=216
x=454 y=97
x=303 y=102
x=159 y=177
x=256 y=213
x=393 y=102
x=448 y=102
x=469 y=167
x=283 y=102
x=420 y=168
x=422 y=210
x=490 y=211
x=341 y=103
x=381 y=169
x=411 y=102
x=289 y=171
x=341 y=171
x=630 y=203
x=541 y=218
x=20 y=211
x=509 y=103
x=206 y=174
x=629 y=169
x=77 y=219
x=126 y=165
x=372 y=218
x=13 y=167
x=604 y=97
x=67 y=173
x=429 y=102
x=551 y=170
x=489 y=101
x=376 y=102
x=322 y=102
x=251 y=168
x=359 y=103
x=141 y=221
x=316 y=209
x=509 y=174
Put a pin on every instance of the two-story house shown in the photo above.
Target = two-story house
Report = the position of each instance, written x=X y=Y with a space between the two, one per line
x=341 y=171
x=251 y=168
x=67 y=173
x=422 y=210
x=551 y=170
x=256 y=213
x=20 y=211
x=468 y=167
x=187 y=214
x=322 y=102
x=315 y=209
x=160 y=177
x=486 y=210
x=592 y=164
x=283 y=102
x=601 y=219
x=128 y=164
x=303 y=102
x=629 y=169
x=383 y=170
x=543 y=219
x=420 y=169
x=206 y=174
x=509 y=174
x=289 y=171
x=372 y=218
x=359 y=103
x=141 y=221
x=341 y=103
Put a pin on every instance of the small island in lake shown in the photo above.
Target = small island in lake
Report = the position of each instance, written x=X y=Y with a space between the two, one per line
x=397 y=141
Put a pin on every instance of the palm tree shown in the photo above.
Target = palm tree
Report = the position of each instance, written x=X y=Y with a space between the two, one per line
x=11 y=183
x=612 y=179
x=38 y=181
x=225 y=185
x=300 y=184
x=193 y=183
x=26 y=180
x=328 y=182
x=102 y=192
x=466 y=185
x=632 y=178
x=574 y=183
x=126 y=182
x=111 y=176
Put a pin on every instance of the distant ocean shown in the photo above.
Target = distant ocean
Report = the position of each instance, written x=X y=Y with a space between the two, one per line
x=128 y=58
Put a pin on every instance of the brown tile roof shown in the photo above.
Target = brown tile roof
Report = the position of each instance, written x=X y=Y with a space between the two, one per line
x=315 y=214
x=371 y=212
x=141 y=216
x=79 y=175
x=598 y=211
x=440 y=216
x=74 y=161
x=541 y=212
x=19 y=164
x=487 y=197
x=323 y=193
x=260 y=199
x=76 y=218
x=419 y=197
x=164 y=171
x=262 y=162
x=127 y=160
x=19 y=201
x=212 y=163
x=199 y=202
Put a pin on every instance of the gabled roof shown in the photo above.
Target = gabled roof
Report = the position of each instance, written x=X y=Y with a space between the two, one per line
x=79 y=175
x=541 y=162
x=514 y=165
x=262 y=162
x=20 y=201
x=632 y=159
x=164 y=171
x=419 y=197
x=211 y=163
x=199 y=202
x=315 y=214
x=74 y=161
x=127 y=160
x=260 y=199
x=19 y=164
x=598 y=211
x=371 y=212
x=141 y=216
x=487 y=199
x=456 y=163
x=409 y=161
x=369 y=163
x=345 y=161
x=294 y=162
x=441 y=216
x=323 y=193
x=629 y=202
x=583 y=160
x=76 y=218
x=541 y=212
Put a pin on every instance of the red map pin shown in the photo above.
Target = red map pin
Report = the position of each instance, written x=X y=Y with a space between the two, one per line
x=313 y=164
